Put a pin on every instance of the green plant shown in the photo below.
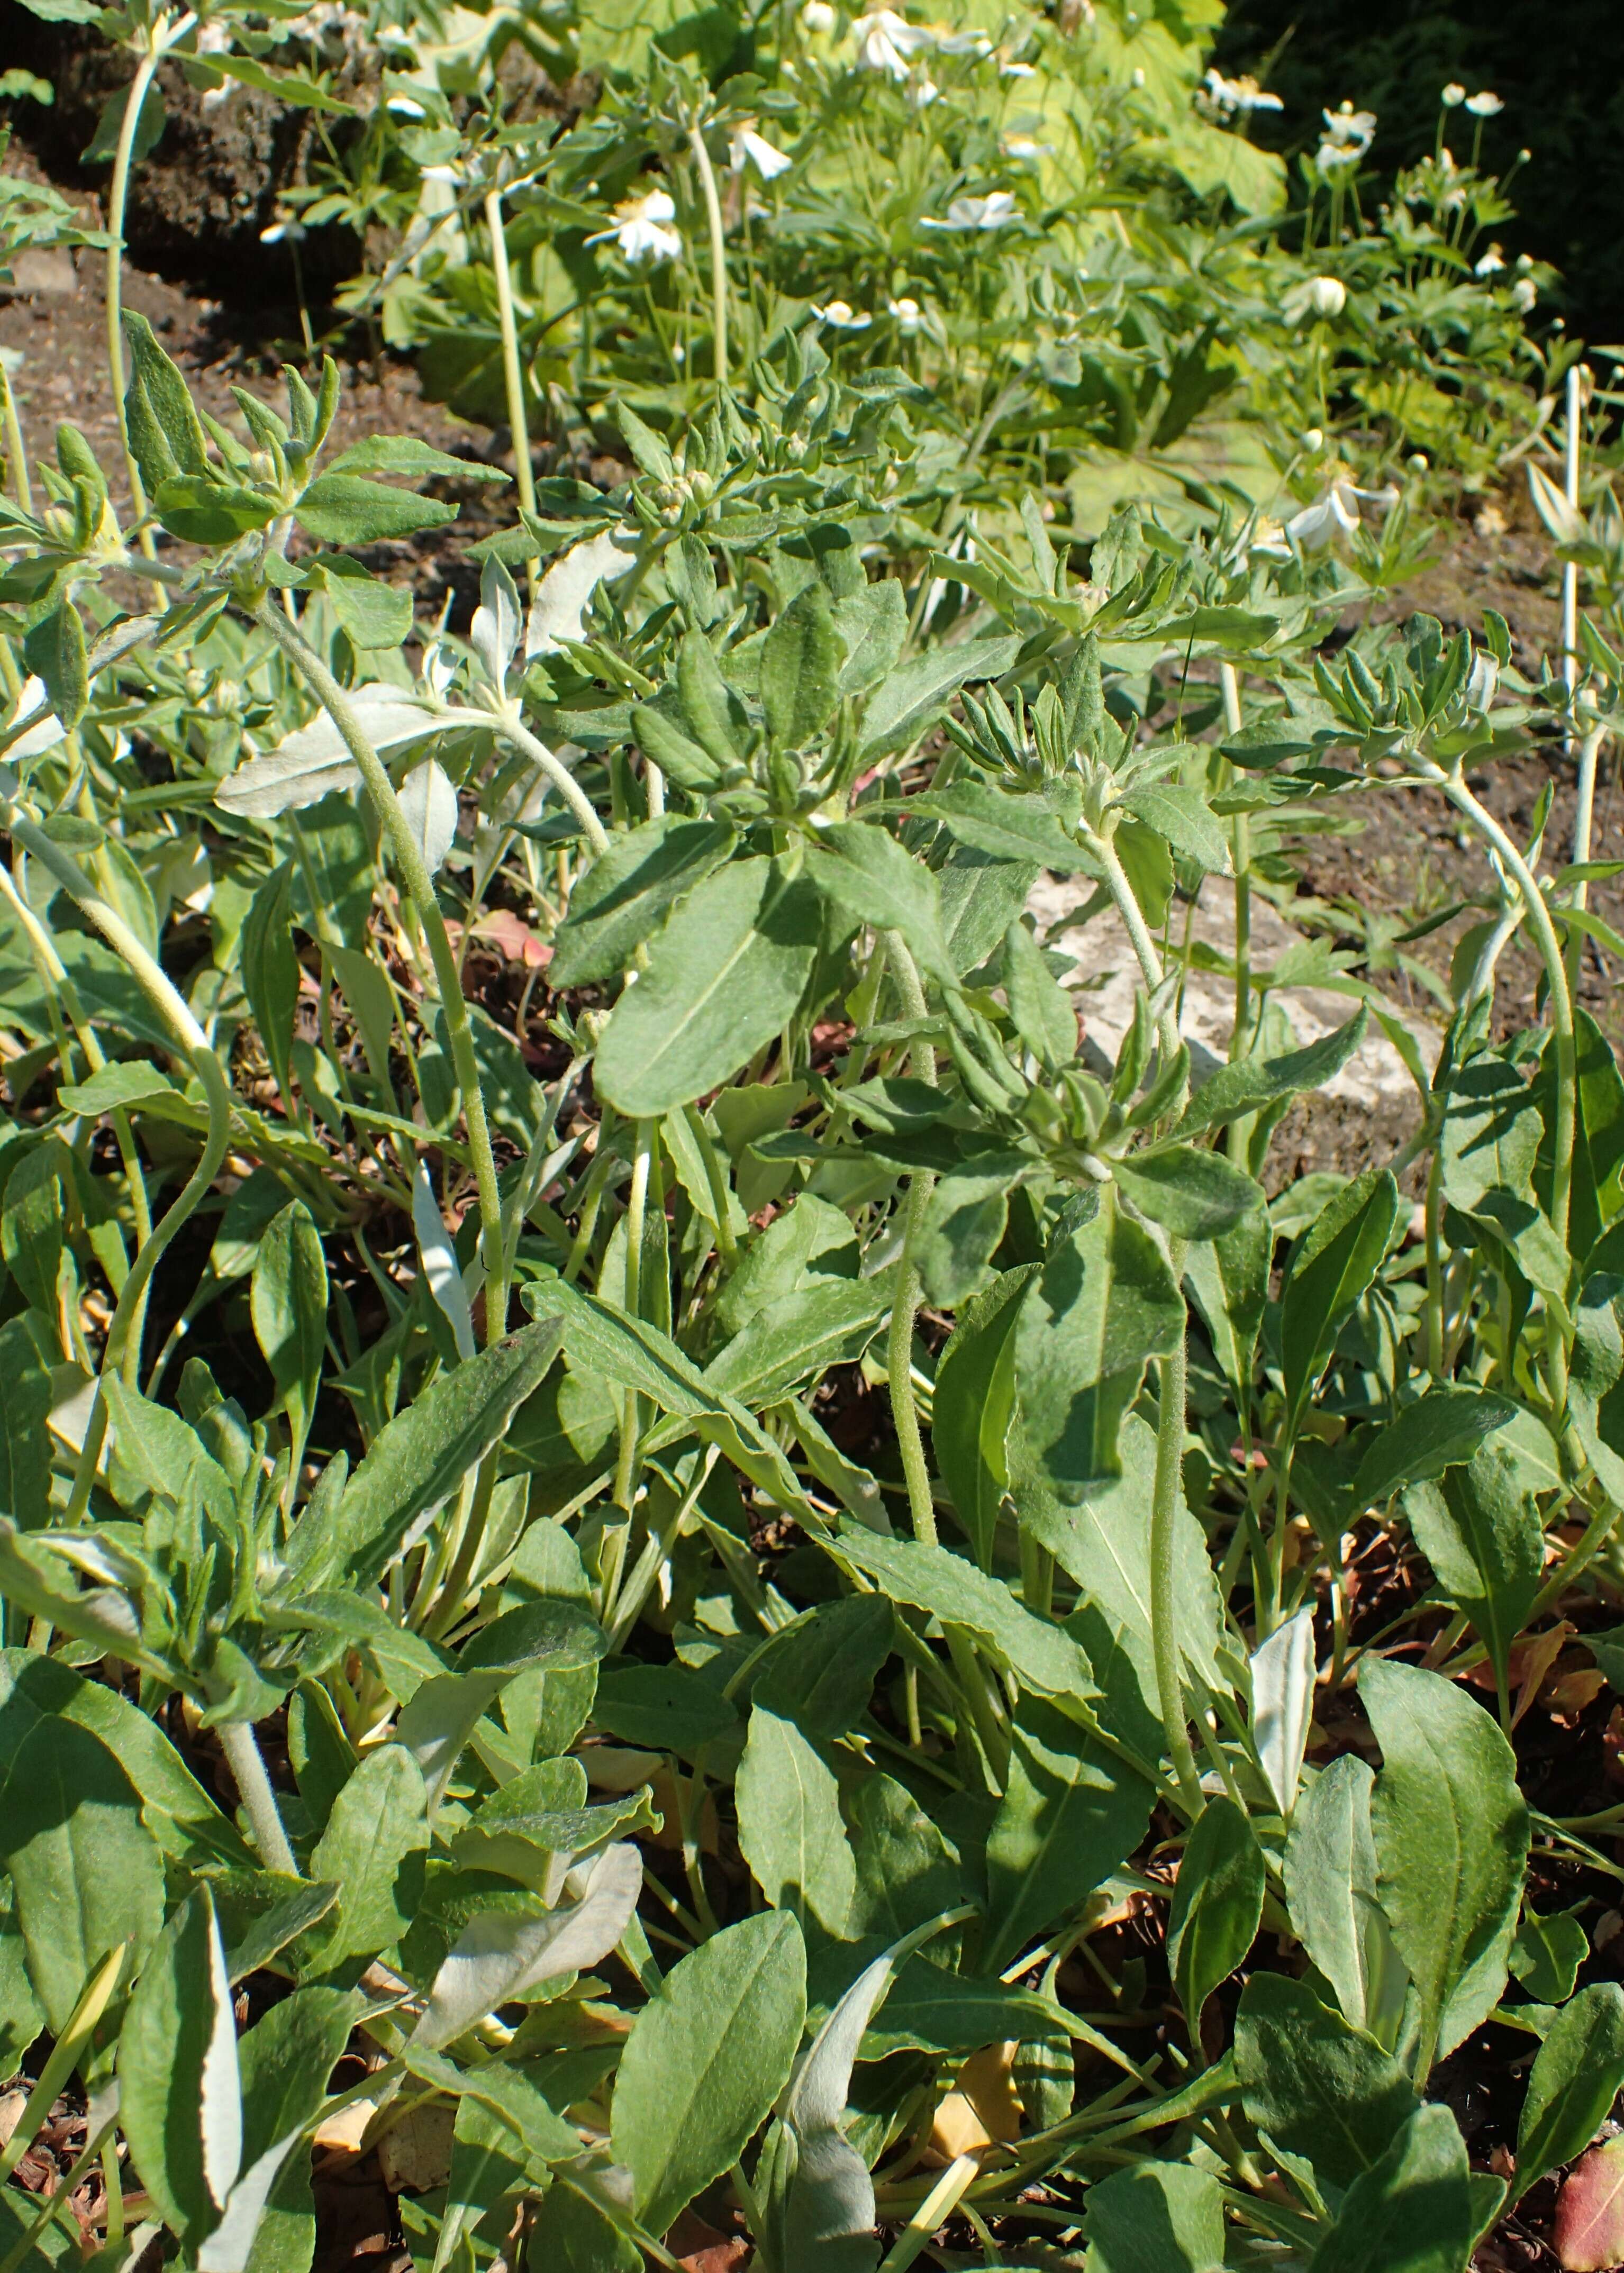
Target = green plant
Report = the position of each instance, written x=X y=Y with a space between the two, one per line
x=727 y=1531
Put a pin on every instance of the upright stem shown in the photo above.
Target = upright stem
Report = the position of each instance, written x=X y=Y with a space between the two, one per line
x=1584 y=817
x=117 y=200
x=241 y=1748
x=512 y=370
x=905 y=1306
x=1241 y=856
x=1163 y=1553
x=636 y=1211
x=1138 y=933
x=420 y=885
x=16 y=455
x=718 y=250
x=1570 y=573
x=512 y=728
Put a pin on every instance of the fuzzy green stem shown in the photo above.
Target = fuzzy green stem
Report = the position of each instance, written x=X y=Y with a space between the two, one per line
x=16 y=455
x=1584 y=817
x=718 y=250
x=1163 y=1553
x=420 y=885
x=1240 y=832
x=513 y=729
x=1144 y=946
x=241 y=1748
x=513 y=372
x=160 y=37
x=636 y=1208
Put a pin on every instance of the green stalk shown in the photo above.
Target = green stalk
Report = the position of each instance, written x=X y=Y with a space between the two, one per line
x=719 y=251
x=512 y=370
x=1584 y=814
x=1241 y=859
x=1138 y=933
x=241 y=1748
x=160 y=37
x=420 y=885
x=637 y=1205
x=512 y=727
x=1163 y=1556
x=905 y=1306
x=62 y=2059
x=16 y=455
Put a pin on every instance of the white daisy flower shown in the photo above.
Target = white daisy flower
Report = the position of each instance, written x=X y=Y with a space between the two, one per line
x=749 y=148
x=842 y=317
x=992 y=212
x=642 y=228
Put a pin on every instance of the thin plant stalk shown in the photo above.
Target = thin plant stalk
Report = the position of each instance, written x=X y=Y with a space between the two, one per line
x=242 y=1756
x=161 y=36
x=1585 y=821
x=513 y=729
x=513 y=372
x=1570 y=571
x=1163 y=1553
x=1241 y=858
x=719 y=251
x=420 y=885
x=16 y=455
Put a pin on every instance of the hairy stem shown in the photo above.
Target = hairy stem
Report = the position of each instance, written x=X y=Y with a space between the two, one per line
x=513 y=729
x=1163 y=1556
x=241 y=1748
x=512 y=370
x=718 y=250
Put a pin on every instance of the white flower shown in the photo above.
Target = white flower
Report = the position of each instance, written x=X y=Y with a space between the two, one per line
x=840 y=314
x=1136 y=76
x=1525 y=292
x=1314 y=440
x=1018 y=70
x=1243 y=94
x=1484 y=105
x=750 y=148
x=885 y=41
x=961 y=43
x=1492 y=261
x=978 y=212
x=643 y=228
x=287 y=230
x=922 y=92
x=1347 y=129
x=908 y=316
x=404 y=106
x=1318 y=295
x=1022 y=146
x=818 y=16
x=1337 y=511
x=1452 y=95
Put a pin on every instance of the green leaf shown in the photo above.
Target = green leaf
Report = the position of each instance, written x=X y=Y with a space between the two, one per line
x=1217 y=1905
x=1452 y=1835
x=408 y=455
x=86 y=1873
x=1194 y=1194
x=1547 y=1953
x=624 y=896
x=1042 y=1656
x=1006 y=827
x=270 y=970
x=179 y=2100
x=913 y=697
x=1490 y=1138
x=1318 y=2088
x=708 y=2055
x=373 y=1846
x=168 y=396
x=1070 y=1811
x=725 y=976
x=373 y=613
x=1331 y=1886
x=1597 y=1379
x=974 y=1406
x=1413 y=2212
x=801 y=661
x=1328 y=1275
x=1104 y=1304
x=417 y=1461
x=1441 y=1429
x=1044 y=1015
x=664 y=744
x=54 y=648
x=1480 y=1528
x=799 y=1337
x=288 y=1306
x=1156 y=2217
x=1228 y=1279
x=790 y=1829
x=204 y=510
x=1578 y=2073
x=873 y=623
x=1251 y=1084
x=1184 y=817
x=908 y=1872
x=343 y=509
x=819 y=1672
x=872 y=879
x=27 y=1396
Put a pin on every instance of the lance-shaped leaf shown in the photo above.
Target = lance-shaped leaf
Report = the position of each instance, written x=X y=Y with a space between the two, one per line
x=1070 y=1811
x=1251 y=1084
x=1194 y=1194
x=1283 y=1704
x=800 y=662
x=624 y=896
x=790 y=1829
x=1480 y=1526
x=1578 y=2073
x=315 y=759
x=1452 y=1835
x=1156 y=2217
x=503 y=1954
x=1331 y=1886
x=708 y=2055
x=1041 y=1655
x=1319 y=2088
x=541 y=1637
x=1217 y=1905
x=180 y=2102
x=1414 y=2211
x=441 y=1268
x=1104 y=1304
x=372 y=1847
x=912 y=698
x=873 y=880
x=724 y=976
x=1338 y=1258
x=975 y=1406
x=288 y=1302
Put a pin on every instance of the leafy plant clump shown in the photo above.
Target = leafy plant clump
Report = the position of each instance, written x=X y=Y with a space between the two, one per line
x=668 y=1555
